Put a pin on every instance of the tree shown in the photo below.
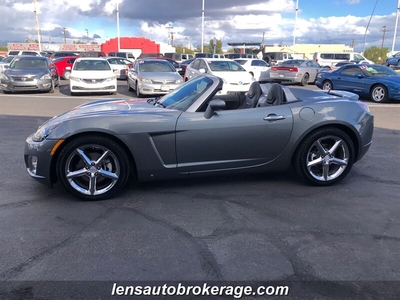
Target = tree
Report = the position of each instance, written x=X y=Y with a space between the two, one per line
x=3 y=48
x=376 y=54
x=78 y=42
x=218 y=46
x=181 y=49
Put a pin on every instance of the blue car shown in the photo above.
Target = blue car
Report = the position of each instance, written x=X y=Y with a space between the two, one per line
x=394 y=60
x=378 y=82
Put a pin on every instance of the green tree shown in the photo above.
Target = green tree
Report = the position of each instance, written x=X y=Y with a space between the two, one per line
x=78 y=42
x=376 y=54
x=218 y=46
x=3 y=48
x=181 y=49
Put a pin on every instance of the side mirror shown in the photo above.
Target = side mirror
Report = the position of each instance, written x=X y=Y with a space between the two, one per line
x=360 y=75
x=213 y=106
x=6 y=67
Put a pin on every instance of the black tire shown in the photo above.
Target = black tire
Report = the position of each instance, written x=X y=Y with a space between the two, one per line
x=6 y=92
x=138 y=94
x=52 y=87
x=267 y=59
x=130 y=89
x=327 y=85
x=66 y=74
x=379 y=93
x=305 y=79
x=324 y=157
x=96 y=158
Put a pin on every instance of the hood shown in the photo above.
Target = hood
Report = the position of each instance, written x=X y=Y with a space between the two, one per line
x=98 y=74
x=25 y=72
x=161 y=76
x=230 y=76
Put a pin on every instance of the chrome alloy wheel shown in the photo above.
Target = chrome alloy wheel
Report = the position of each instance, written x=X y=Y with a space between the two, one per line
x=327 y=158
x=92 y=169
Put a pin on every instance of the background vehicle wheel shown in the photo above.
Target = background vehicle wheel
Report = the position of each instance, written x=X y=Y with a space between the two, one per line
x=129 y=86
x=379 y=93
x=93 y=167
x=138 y=94
x=305 y=79
x=327 y=85
x=52 y=87
x=66 y=75
x=267 y=59
x=324 y=157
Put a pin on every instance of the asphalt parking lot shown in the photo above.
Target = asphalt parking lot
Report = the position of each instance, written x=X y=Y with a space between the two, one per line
x=334 y=242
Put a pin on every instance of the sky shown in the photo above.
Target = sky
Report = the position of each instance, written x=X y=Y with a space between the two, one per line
x=232 y=21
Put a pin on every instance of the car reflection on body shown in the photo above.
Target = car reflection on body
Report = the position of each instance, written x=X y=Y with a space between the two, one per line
x=152 y=76
x=29 y=73
x=192 y=131
x=92 y=74
x=378 y=82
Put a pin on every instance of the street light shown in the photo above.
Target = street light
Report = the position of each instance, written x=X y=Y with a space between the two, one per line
x=395 y=26
x=65 y=38
x=37 y=24
x=87 y=35
x=118 y=37
x=202 y=27
x=295 y=25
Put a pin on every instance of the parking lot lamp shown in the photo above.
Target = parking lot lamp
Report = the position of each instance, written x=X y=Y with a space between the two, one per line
x=87 y=35
x=118 y=36
x=395 y=26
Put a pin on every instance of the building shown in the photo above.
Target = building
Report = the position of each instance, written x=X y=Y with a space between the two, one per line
x=307 y=50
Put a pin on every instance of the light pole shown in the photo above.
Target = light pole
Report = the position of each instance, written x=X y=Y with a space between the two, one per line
x=295 y=25
x=366 y=29
x=65 y=38
x=37 y=24
x=395 y=26
x=87 y=35
x=118 y=37
x=202 y=27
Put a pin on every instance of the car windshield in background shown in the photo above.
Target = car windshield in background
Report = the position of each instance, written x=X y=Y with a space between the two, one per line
x=7 y=59
x=377 y=70
x=156 y=66
x=91 y=65
x=183 y=97
x=292 y=62
x=28 y=63
x=225 y=66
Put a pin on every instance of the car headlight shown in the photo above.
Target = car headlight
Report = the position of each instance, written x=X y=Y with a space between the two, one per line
x=145 y=80
x=74 y=78
x=111 y=78
x=45 y=77
x=178 y=81
x=43 y=132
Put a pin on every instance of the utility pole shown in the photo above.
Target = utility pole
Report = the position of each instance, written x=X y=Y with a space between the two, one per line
x=383 y=40
x=202 y=26
x=87 y=36
x=170 y=34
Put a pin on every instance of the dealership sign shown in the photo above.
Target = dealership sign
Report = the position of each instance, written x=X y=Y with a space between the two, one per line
x=54 y=47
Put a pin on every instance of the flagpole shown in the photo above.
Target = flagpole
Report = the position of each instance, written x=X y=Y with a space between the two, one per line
x=395 y=26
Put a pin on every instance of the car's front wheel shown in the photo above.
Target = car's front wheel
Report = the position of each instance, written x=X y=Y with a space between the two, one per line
x=138 y=93
x=379 y=94
x=324 y=157
x=66 y=75
x=327 y=85
x=93 y=167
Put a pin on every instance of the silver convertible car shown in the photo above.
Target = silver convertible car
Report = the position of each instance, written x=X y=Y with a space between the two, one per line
x=96 y=148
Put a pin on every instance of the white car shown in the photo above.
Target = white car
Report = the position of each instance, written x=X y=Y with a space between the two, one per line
x=257 y=68
x=120 y=66
x=235 y=77
x=92 y=74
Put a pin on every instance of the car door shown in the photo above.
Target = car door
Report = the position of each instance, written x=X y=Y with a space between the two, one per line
x=232 y=139
x=348 y=79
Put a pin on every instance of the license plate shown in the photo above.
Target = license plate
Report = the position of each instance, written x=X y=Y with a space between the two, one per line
x=165 y=87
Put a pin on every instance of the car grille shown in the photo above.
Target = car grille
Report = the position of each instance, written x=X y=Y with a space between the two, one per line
x=236 y=83
x=164 y=81
x=25 y=87
x=93 y=80
x=23 y=78
x=79 y=88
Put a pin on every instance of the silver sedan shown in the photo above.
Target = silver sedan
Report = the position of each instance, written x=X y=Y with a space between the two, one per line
x=301 y=71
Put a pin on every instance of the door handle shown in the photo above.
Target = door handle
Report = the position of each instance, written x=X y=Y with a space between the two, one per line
x=274 y=118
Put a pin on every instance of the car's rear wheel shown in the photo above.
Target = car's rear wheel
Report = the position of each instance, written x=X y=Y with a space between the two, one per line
x=93 y=167
x=327 y=85
x=305 y=79
x=324 y=157
x=66 y=75
x=379 y=93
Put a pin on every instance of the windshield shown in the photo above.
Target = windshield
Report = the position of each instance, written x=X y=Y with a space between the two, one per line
x=295 y=62
x=225 y=66
x=378 y=70
x=183 y=97
x=8 y=59
x=91 y=65
x=156 y=66
x=28 y=63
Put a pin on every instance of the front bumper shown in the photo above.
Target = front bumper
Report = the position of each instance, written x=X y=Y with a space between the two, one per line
x=38 y=160
x=96 y=86
x=31 y=85
x=156 y=89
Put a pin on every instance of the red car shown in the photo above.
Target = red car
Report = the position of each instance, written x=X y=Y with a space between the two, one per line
x=64 y=65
